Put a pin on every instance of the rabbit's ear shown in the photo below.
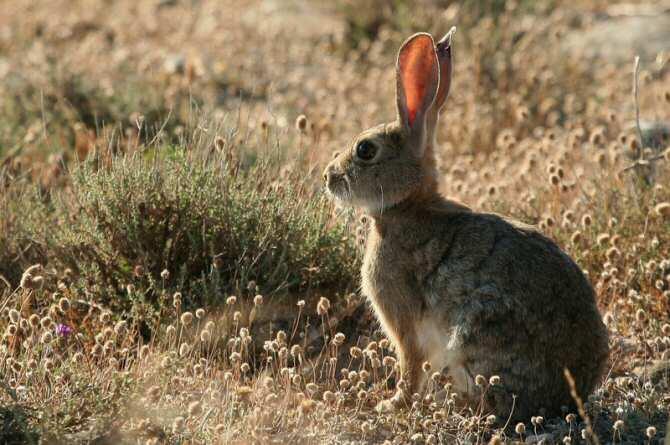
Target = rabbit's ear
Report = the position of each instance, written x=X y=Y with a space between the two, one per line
x=417 y=77
x=445 y=62
x=445 y=59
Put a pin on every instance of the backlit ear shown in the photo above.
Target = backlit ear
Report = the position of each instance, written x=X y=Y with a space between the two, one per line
x=445 y=61
x=417 y=77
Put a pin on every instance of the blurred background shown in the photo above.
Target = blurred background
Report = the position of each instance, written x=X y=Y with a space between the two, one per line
x=156 y=147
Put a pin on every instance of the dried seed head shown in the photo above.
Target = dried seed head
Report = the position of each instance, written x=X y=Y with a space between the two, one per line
x=170 y=331
x=301 y=123
x=281 y=337
x=338 y=339
x=641 y=316
x=612 y=253
x=30 y=278
x=176 y=300
x=323 y=306
x=300 y=304
x=663 y=209
x=602 y=239
x=520 y=428
x=258 y=300
x=200 y=313
x=14 y=316
x=480 y=380
x=120 y=327
x=105 y=317
x=34 y=321
x=183 y=349
x=576 y=237
x=618 y=425
x=231 y=300
x=165 y=274
x=296 y=350
x=329 y=397
x=312 y=388
x=426 y=367
x=47 y=337
x=96 y=350
x=186 y=319
x=494 y=380
x=46 y=323
x=651 y=430
x=178 y=424
x=205 y=336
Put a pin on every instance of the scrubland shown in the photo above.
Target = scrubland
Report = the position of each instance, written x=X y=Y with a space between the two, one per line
x=171 y=271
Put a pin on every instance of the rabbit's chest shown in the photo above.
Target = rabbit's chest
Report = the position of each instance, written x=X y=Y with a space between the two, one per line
x=389 y=279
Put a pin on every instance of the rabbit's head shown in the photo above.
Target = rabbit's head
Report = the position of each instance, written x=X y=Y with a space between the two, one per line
x=392 y=162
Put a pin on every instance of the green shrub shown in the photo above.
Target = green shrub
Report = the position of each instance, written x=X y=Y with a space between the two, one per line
x=213 y=226
x=22 y=214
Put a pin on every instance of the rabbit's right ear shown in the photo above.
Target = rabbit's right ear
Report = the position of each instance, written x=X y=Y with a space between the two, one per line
x=417 y=77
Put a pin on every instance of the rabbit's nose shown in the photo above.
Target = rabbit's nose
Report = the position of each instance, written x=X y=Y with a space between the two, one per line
x=330 y=174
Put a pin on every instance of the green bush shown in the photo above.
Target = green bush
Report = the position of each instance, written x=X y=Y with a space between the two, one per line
x=22 y=214
x=213 y=226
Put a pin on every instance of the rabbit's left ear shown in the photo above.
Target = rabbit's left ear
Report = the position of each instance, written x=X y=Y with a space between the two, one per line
x=417 y=77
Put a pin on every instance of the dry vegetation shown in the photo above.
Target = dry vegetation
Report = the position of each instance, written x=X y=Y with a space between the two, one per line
x=171 y=273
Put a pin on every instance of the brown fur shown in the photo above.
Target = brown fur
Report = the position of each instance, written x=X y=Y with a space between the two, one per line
x=472 y=293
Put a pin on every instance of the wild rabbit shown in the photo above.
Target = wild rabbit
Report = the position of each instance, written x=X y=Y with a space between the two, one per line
x=470 y=293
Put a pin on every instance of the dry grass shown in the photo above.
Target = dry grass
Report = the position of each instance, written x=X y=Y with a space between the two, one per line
x=116 y=116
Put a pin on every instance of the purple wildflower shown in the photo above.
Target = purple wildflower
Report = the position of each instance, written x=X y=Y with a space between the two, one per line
x=63 y=330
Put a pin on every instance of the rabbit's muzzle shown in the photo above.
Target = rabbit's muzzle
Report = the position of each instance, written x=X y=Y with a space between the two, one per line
x=335 y=181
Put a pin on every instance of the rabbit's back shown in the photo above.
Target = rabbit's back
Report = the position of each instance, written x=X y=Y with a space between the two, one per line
x=522 y=309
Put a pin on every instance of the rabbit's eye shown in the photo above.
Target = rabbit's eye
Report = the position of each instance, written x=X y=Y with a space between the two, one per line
x=366 y=150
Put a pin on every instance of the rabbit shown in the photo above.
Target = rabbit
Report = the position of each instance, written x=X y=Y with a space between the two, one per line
x=470 y=293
